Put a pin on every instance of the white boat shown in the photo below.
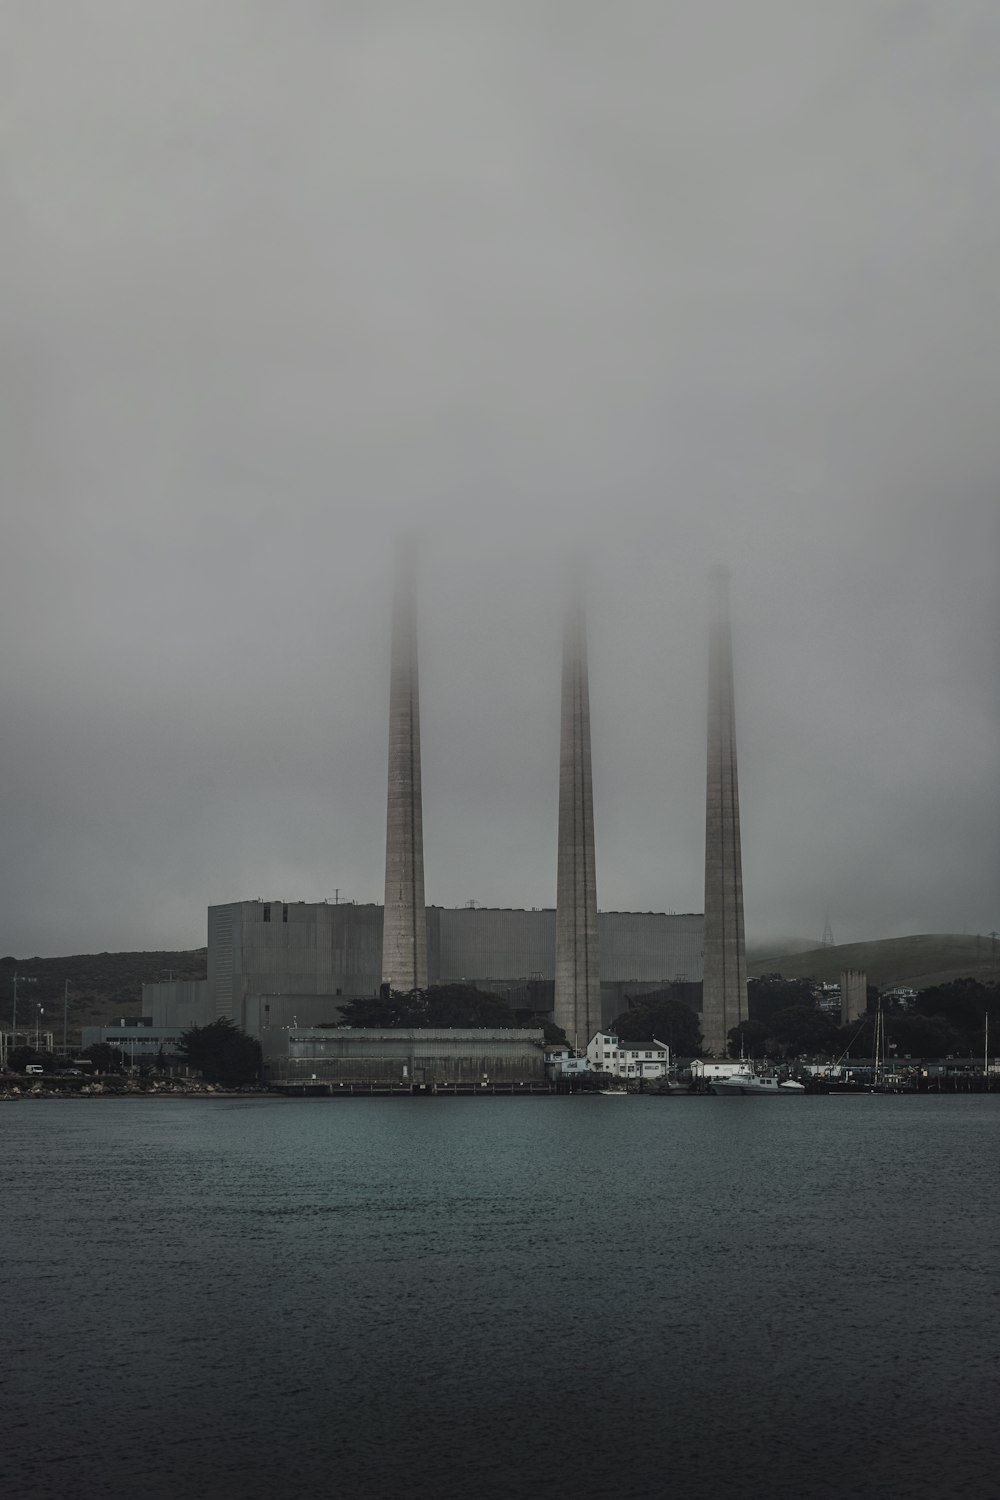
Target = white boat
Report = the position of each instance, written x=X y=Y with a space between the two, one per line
x=746 y=1081
x=614 y=1093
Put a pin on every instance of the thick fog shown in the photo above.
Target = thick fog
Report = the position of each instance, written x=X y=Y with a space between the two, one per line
x=677 y=283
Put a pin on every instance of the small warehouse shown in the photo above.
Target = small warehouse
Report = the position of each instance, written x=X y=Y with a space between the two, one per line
x=368 y=1055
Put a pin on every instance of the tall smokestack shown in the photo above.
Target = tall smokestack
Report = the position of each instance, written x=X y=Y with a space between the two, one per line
x=725 y=987
x=577 y=988
x=404 y=934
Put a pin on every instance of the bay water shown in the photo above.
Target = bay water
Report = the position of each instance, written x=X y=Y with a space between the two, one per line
x=492 y=1297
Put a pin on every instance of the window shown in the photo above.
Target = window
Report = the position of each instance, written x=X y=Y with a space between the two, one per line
x=267 y=914
x=284 y=913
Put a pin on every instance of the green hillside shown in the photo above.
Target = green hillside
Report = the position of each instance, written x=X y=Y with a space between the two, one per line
x=930 y=958
x=102 y=986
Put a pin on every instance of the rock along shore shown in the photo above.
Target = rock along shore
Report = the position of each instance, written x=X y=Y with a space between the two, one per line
x=13 y=1091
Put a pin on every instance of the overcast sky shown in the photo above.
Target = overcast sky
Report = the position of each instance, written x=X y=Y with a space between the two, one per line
x=683 y=282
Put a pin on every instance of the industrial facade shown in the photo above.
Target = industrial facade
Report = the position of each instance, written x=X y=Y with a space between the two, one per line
x=274 y=963
x=421 y=1058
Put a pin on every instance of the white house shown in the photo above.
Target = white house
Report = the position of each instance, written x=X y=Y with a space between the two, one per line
x=606 y=1054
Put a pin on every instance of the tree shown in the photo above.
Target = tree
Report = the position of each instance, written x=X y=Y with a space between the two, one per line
x=772 y=993
x=444 y=1005
x=19 y=1058
x=962 y=1005
x=784 y=1020
x=106 y=1059
x=925 y=1036
x=801 y=1029
x=464 y=1005
x=551 y=1032
x=748 y=1039
x=396 y=1009
x=661 y=1017
x=222 y=1053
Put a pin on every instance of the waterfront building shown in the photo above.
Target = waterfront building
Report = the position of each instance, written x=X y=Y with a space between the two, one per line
x=561 y=1062
x=635 y=1060
x=709 y=1068
x=422 y=1058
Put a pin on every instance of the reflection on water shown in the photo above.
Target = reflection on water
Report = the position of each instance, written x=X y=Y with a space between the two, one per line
x=496 y=1297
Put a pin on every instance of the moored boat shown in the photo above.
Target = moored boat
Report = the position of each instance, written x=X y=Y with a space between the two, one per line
x=746 y=1081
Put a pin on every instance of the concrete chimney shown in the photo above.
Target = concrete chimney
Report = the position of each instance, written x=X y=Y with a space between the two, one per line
x=577 y=985
x=724 y=1002
x=404 y=934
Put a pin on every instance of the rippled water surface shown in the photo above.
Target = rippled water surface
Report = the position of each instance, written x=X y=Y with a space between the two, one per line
x=496 y=1297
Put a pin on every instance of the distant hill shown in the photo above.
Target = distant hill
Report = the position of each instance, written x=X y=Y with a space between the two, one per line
x=779 y=948
x=930 y=958
x=106 y=986
x=102 y=986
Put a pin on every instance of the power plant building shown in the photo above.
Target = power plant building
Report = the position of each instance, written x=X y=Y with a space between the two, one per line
x=290 y=966
x=274 y=963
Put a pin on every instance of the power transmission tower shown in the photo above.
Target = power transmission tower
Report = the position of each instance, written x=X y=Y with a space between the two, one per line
x=827 y=935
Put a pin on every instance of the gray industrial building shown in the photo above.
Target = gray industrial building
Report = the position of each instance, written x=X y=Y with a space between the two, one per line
x=424 y=1058
x=138 y=1041
x=288 y=964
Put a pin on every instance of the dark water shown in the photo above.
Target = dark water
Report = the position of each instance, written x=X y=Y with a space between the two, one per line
x=479 y=1297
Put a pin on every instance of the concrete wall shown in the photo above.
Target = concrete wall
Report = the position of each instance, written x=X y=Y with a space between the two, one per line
x=511 y=945
x=303 y=948
x=290 y=1011
x=495 y=943
x=650 y=946
x=183 y=1003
